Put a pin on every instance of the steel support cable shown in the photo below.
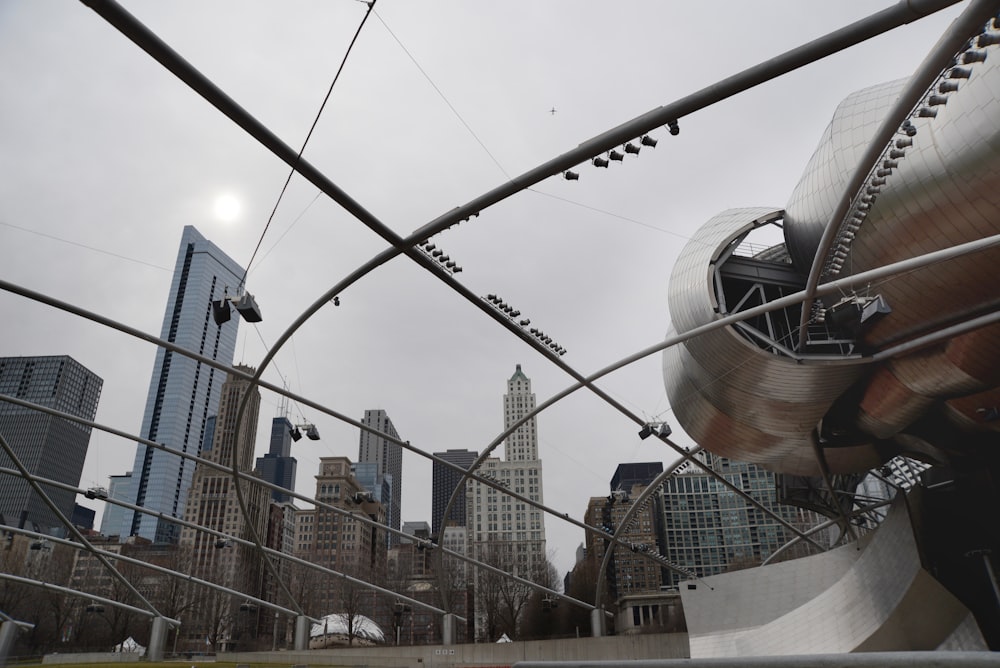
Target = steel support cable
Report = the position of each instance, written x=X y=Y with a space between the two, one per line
x=322 y=106
x=112 y=571
x=129 y=26
x=235 y=539
x=82 y=594
x=828 y=288
x=117 y=556
x=939 y=59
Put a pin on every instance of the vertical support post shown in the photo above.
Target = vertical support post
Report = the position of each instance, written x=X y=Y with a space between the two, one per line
x=448 y=629
x=597 y=622
x=302 y=625
x=157 y=639
x=8 y=634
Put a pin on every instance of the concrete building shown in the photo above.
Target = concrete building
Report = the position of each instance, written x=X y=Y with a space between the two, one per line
x=278 y=466
x=389 y=458
x=183 y=393
x=212 y=503
x=339 y=542
x=507 y=533
x=444 y=480
x=47 y=446
x=629 y=571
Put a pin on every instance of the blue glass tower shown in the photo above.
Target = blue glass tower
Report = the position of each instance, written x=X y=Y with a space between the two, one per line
x=278 y=466
x=183 y=393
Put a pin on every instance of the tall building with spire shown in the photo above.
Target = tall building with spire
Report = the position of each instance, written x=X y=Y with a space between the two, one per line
x=501 y=530
x=183 y=393
x=388 y=456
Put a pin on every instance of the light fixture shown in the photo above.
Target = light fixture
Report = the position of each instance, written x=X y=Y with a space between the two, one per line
x=936 y=100
x=959 y=73
x=947 y=86
x=599 y=162
x=904 y=142
x=927 y=112
x=245 y=305
x=646 y=431
x=988 y=39
x=973 y=57
x=664 y=430
x=312 y=433
x=615 y=155
x=296 y=434
x=673 y=127
x=648 y=141
x=631 y=148
x=571 y=176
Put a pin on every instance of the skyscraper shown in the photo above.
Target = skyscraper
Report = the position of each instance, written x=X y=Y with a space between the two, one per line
x=183 y=393
x=278 y=466
x=709 y=529
x=507 y=533
x=212 y=503
x=444 y=480
x=47 y=446
x=388 y=456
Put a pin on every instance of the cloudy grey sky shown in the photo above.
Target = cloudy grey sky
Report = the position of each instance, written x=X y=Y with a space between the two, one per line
x=105 y=156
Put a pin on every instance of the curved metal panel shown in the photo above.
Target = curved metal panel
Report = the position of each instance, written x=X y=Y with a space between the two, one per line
x=942 y=189
x=733 y=397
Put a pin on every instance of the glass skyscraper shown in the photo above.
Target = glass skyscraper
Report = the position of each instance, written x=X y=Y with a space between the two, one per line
x=389 y=457
x=278 y=466
x=444 y=480
x=183 y=393
x=47 y=446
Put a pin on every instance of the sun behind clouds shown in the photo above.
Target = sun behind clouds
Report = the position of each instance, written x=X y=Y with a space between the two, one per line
x=227 y=207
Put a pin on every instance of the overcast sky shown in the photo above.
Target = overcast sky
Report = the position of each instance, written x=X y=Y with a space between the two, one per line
x=105 y=156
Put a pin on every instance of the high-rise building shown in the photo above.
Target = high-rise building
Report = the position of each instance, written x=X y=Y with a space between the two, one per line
x=183 y=393
x=629 y=571
x=502 y=531
x=635 y=473
x=342 y=543
x=278 y=466
x=113 y=517
x=378 y=484
x=388 y=456
x=444 y=480
x=47 y=446
x=709 y=529
x=212 y=503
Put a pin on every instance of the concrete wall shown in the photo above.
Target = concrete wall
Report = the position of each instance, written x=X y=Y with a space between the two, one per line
x=496 y=655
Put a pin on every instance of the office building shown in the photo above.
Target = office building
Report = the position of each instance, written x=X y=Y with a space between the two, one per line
x=389 y=458
x=444 y=480
x=709 y=529
x=183 y=393
x=113 y=517
x=502 y=531
x=635 y=473
x=278 y=466
x=629 y=571
x=46 y=446
x=333 y=540
x=212 y=503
